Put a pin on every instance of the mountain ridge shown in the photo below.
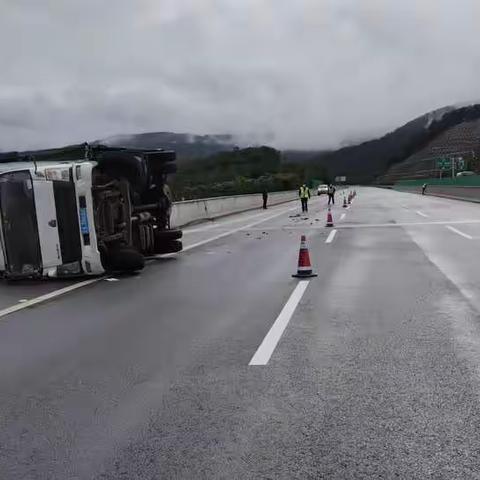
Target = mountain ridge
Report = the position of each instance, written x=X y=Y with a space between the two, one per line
x=361 y=162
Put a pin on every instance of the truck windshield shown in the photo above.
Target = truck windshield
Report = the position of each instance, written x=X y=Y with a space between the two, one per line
x=19 y=222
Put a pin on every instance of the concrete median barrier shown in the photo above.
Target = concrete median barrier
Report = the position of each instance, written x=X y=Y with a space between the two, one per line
x=191 y=211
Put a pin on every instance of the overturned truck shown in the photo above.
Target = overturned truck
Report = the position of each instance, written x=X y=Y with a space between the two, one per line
x=84 y=210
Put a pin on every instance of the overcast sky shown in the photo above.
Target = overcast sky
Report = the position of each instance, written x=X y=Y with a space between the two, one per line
x=302 y=73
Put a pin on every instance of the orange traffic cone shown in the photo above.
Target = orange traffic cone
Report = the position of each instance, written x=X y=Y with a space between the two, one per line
x=304 y=269
x=344 y=202
x=329 y=218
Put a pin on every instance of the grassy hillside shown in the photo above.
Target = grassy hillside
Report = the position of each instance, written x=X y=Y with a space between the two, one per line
x=248 y=170
x=365 y=162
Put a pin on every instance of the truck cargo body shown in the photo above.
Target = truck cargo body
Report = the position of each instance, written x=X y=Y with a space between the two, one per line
x=106 y=211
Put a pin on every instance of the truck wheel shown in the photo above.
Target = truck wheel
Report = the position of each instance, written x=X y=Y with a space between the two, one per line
x=172 y=246
x=125 y=259
x=162 y=236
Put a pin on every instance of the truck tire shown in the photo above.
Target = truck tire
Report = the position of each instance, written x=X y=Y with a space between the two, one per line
x=172 y=246
x=124 y=259
x=163 y=236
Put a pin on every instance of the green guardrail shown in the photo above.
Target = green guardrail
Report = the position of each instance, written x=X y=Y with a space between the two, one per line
x=467 y=181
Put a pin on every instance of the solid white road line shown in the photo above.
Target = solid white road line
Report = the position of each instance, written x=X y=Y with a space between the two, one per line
x=266 y=348
x=418 y=212
x=331 y=236
x=229 y=232
x=47 y=296
x=342 y=216
x=75 y=286
x=458 y=232
x=221 y=223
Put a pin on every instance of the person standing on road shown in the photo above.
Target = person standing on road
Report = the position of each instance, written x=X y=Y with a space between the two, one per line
x=331 y=194
x=424 y=188
x=265 y=198
x=304 y=194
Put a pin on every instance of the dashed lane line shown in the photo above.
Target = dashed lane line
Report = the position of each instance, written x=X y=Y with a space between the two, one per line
x=342 y=216
x=331 y=236
x=418 y=212
x=459 y=232
x=269 y=343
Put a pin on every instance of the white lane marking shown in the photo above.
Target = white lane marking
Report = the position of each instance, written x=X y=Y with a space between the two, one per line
x=459 y=232
x=47 y=296
x=220 y=223
x=217 y=223
x=229 y=232
x=418 y=212
x=266 y=348
x=367 y=225
x=331 y=236
x=62 y=291
x=342 y=216
x=449 y=267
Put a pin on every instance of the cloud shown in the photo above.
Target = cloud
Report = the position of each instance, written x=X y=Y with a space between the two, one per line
x=309 y=73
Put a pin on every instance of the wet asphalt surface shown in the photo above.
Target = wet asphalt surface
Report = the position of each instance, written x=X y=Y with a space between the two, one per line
x=377 y=374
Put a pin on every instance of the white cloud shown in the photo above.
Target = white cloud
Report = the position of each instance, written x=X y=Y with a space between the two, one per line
x=312 y=73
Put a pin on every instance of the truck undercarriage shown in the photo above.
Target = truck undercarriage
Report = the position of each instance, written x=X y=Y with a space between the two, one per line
x=129 y=218
x=128 y=195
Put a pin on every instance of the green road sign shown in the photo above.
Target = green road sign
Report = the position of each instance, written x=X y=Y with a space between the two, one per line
x=444 y=163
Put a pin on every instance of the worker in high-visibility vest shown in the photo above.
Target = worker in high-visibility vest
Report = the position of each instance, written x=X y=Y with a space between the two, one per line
x=304 y=194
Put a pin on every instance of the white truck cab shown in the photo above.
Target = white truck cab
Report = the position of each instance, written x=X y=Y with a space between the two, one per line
x=82 y=217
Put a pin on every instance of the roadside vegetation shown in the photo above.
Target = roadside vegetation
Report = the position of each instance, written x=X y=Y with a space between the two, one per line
x=242 y=171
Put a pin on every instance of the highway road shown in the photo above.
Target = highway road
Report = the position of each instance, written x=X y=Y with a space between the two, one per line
x=217 y=364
